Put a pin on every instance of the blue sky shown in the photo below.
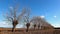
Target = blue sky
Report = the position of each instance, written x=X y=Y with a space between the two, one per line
x=50 y=9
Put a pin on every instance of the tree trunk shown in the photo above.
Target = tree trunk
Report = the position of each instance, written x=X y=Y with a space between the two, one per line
x=38 y=27
x=14 y=25
x=27 y=29
x=27 y=25
x=13 y=28
x=34 y=26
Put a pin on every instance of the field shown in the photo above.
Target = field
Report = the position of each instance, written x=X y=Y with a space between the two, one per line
x=50 y=31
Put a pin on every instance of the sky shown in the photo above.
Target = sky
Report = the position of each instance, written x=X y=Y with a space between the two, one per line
x=49 y=9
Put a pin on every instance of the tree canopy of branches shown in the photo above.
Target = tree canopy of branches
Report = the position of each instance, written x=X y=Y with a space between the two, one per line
x=14 y=17
x=39 y=21
x=27 y=20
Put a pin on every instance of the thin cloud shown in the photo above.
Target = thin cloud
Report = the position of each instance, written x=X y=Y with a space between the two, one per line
x=4 y=24
x=42 y=16
x=54 y=16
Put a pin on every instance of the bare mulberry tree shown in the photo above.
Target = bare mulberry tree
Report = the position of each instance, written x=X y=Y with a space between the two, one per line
x=14 y=17
x=34 y=26
x=27 y=20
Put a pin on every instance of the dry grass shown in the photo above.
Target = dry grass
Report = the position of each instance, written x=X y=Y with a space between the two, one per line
x=32 y=32
x=35 y=32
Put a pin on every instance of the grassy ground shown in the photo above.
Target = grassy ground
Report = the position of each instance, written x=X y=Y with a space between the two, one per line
x=55 y=31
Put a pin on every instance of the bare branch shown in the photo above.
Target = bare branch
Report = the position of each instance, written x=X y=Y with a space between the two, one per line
x=16 y=7
x=11 y=11
x=22 y=14
x=8 y=17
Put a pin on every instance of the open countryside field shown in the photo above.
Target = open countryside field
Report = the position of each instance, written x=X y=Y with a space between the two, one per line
x=50 y=31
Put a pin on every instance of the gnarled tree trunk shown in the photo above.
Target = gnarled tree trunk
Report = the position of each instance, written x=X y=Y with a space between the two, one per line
x=27 y=25
x=38 y=26
x=34 y=26
x=15 y=22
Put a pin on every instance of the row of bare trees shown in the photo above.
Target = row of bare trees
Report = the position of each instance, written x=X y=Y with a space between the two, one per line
x=14 y=17
x=40 y=23
x=24 y=14
x=37 y=22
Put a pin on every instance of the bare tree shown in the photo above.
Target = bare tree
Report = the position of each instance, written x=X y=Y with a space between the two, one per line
x=27 y=20
x=34 y=26
x=38 y=26
x=14 y=17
